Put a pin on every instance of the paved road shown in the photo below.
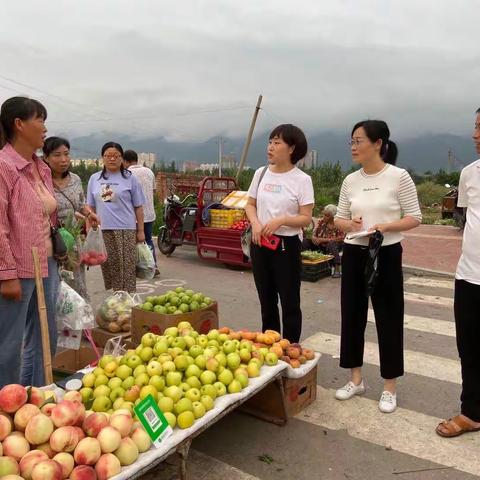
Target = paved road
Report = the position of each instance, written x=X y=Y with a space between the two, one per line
x=334 y=440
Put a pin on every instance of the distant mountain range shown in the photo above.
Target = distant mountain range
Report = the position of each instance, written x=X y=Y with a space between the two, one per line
x=422 y=153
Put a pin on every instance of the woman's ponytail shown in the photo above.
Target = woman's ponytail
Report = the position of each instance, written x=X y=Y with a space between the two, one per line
x=389 y=152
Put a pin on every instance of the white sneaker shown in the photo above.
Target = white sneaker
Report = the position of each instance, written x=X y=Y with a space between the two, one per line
x=388 y=402
x=349 y=390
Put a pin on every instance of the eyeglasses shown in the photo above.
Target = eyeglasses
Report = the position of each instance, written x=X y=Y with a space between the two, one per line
x=356 y=142
x=112 y=157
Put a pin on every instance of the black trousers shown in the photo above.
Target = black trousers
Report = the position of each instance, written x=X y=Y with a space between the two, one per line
x=467 y=322
x=388 y=305
x=277 y=274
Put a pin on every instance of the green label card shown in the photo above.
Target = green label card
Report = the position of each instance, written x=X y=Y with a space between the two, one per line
x=153 y=420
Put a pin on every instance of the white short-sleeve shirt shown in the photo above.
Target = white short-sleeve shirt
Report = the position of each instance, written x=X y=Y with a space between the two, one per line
x=468 y=268
x=281 y=194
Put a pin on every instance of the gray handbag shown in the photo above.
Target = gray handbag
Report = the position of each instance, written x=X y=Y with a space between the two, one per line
x=246 y=238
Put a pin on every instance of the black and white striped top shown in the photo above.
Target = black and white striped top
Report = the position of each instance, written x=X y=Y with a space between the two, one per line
x=383 y=197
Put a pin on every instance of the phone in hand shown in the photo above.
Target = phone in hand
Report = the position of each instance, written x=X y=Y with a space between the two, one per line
x=270 y=242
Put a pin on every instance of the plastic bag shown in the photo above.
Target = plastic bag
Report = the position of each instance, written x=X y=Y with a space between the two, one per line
x=115 y=313
x=115 y=346
x=145 y=262
x=73 y=312
x=70 y=339
x=94 y=251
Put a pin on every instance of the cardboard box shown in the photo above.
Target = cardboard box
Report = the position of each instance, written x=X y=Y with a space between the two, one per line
x=300 y=392
x=102 y=336
x=70 y=361
x=142 y=321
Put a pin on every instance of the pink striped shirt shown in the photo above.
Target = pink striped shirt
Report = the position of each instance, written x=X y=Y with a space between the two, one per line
x=21 y=215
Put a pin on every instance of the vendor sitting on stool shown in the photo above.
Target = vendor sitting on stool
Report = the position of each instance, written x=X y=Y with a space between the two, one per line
x=327 y=238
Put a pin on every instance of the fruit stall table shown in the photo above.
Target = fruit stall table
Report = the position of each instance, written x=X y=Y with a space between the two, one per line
x=179 y=442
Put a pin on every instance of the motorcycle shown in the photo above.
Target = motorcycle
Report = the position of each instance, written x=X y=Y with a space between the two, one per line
x=180 y=223
x=450 y=209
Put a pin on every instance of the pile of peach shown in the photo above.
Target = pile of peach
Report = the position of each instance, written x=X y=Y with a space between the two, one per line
x=292 y=353
x=43 y=440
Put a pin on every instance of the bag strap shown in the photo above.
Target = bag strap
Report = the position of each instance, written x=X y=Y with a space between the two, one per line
x=67 y=197
x=264 y=171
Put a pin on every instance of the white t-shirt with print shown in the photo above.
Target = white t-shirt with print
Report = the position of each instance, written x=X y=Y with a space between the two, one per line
x=468 y=268
x=281 y=194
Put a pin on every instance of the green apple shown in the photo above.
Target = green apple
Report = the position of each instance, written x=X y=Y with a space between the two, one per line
x=148 y=390
x=222 y=359
x=110 y=369
x=171 y=332
x=199 y=409
x=158 y=382
x=86 y=393
x=101 y=391
x=207 y=300
x=179 y=290
x=175 y=301
x=175 y=352
x=146 y=354
x=183 y=405
x=186 y=419
x=214 y=343
x=118 y=403
x=154 y=368
x=212 y=364
x=181 y=363
x=180 y=343
x=114 y=383
x=165 y=404
x=203 y=305
x=194 y=306
x=221 y=388
x=245 y=355
x=194 y=382
x=160 y=347
x=190 y=293
x=208 y=377
x=271 y=359
x=202 y=340
x=123 y=371
x=225 y=377
x=193 y=394
x=208 y=401
x=173 y=378
x=209 y=390
x=150 y=299
x=242 y=378
x=160 y=309
x=105 y=360
x=101 y=380
x=253 y=369
x=168 y=366
x=142 y=379
x=171 y=419
x=223 y=337
x=195 y=351
x=101 y=404
x=201 y=361
x=233 y=361
x=184 y=325
x=210 y=351
x=138 y=370
x=192 y=371
x=234 y=387
x=128 y=382
x=118 y=392
x=128 y=406
x=264 y=351
x=88 y=380
x=246 y=344
x=165 y=357
x=213 y=334
x=138 y=349
x=134 y=361
x=189 y=341
x=185 y=386
x=229 y=347
x=197 y=297
x=259 y=356
x=131 y=395
x=149 y=339
x=173 y=392
x=184 y=307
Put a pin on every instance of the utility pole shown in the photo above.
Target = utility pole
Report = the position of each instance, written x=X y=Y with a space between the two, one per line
x=220 y=155
x=246 y=147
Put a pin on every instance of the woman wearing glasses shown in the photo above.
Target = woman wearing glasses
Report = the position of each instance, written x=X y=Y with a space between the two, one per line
x=377 y=197
x=117 y=198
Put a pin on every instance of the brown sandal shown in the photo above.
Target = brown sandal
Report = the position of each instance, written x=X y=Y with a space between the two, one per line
x=455 y=426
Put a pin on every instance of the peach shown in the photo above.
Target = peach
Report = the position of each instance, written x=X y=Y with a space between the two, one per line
x=94 y=423
x=12 y=477
x=38 y=430
x=141 y=439
x=127 y=452
x=64 y=439
x=302 y=359
x=107 y=466
x=12 y=397
x=15 y=446
x=47 y=409
x=235 y=335
x=66 y=461
x=6 y=425
x=45 y=447
x=23 y=415
x=36 y=397
x=308 y=353
x=109 y=439
x=83 y=472
x=284 y=358
x=293 y=352
x=81 y=413
x=29 y=461
x=80 y=433
x=123 y=423
x=73 y=396
x=295 y=363
x=277 y=350
x=47 y=470
x=284 y=343
x=87 y=451
x=65 y=413
x=276 y=336
x=8 y=466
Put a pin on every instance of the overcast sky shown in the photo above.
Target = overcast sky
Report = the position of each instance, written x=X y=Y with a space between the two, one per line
x=189 y=70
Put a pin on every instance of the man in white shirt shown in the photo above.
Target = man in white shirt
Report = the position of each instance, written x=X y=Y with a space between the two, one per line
x=146 y=178
x=467 y=301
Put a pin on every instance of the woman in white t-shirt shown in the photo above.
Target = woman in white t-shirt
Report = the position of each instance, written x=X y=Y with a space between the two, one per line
x=382 y=197
x=280 y=204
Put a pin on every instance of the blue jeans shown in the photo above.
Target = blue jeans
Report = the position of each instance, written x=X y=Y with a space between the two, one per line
x=148 y=229
x=21 y=356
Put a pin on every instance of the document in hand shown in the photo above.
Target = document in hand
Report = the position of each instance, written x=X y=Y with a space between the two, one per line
x=363 y=233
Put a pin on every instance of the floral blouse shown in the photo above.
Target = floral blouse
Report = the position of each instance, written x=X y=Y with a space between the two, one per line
x=323 y=231
x=70 y=199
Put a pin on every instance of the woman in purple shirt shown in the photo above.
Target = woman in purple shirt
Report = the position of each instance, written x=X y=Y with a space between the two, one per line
x=117 y=198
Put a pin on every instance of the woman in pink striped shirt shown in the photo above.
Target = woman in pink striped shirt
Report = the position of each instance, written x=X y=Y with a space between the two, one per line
x=27 y=209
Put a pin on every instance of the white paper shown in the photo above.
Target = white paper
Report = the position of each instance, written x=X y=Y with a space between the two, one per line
x=363 y=233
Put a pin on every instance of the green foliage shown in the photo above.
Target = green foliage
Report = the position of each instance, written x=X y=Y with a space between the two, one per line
x=430 y=193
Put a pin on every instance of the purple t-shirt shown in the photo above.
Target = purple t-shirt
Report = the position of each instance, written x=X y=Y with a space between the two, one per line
x=115 y=199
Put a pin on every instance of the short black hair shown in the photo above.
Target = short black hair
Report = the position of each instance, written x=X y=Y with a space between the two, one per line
x=478 y=111
x=23 y=108
x=294 y=137
x=52 y=143
x=130 y=156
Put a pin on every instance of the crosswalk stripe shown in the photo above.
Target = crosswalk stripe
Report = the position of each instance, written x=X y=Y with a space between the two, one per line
x=430 y=282
x=405 y=431
x=418 y=363
x=424 y=324
x=428 y=299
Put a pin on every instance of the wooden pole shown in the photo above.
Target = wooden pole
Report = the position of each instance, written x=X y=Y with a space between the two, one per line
x=246 y=147
x=42 y=313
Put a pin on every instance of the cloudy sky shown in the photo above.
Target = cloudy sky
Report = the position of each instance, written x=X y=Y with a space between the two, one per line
x=189 y=70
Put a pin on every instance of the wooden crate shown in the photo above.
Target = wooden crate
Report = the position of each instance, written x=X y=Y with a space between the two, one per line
x=300 y=392
x=102 y=336
x=313 y=270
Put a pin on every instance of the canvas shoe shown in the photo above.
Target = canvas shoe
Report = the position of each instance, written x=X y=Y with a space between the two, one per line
x=388 y=402
x=349 y=390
